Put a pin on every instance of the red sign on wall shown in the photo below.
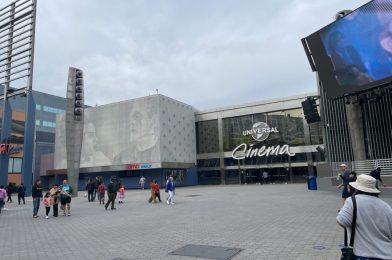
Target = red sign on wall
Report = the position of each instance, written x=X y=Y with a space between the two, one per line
x=3 y=148
x=133 y=166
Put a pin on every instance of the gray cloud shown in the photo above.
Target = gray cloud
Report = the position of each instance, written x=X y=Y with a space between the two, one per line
x=204 y=53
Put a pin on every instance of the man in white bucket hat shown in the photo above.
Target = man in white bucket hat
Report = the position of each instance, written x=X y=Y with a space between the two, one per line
x=373 y=236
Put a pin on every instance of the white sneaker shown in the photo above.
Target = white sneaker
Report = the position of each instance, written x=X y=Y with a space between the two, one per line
x=167 y=202
x=47 y=217
x=172 y=203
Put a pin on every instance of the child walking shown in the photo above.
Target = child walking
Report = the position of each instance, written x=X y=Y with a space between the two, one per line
x=46 y=202
x=101 y=193
x=122 y=194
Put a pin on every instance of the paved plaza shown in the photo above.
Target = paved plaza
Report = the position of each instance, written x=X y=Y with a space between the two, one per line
x=267 y=221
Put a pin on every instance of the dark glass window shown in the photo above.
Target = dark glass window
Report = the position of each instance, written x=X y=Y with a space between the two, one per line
x=209 y=177
x=207 y=136
x=318 y=157
x=316 y=133
x=289 y=123
x=179 y=175
x=233 y=131
x=232 y=162
x=214 y=162
x=290 y=126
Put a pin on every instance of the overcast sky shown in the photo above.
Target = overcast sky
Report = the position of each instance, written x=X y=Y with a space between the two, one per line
x=202 y=52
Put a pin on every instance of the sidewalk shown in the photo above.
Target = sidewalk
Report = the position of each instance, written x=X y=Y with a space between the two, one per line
x=266 y=221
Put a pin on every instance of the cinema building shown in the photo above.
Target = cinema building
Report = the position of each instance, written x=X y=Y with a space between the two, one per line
x=156 y=136
x=238 y=144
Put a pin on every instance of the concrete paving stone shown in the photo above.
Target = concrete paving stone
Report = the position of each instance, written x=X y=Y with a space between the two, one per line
x=266 y=221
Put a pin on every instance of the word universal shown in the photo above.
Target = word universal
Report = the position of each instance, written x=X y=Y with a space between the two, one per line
x=260 y=152
x=260 y=130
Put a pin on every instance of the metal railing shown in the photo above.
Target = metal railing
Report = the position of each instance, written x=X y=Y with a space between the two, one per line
x=365 y=167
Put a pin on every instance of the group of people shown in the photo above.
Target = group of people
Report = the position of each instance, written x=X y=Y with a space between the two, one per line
x=348 y=176
x=62 y=194
x=10 y=189
x=116 y=189
x=373 y=236
x=56 y=194
x=7 y=192
x=155 y=191
x=92 y=189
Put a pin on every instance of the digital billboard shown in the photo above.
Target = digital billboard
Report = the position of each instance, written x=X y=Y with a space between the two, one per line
x=354 y=53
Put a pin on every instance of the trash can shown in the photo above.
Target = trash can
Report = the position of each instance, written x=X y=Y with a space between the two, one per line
x=312 y=183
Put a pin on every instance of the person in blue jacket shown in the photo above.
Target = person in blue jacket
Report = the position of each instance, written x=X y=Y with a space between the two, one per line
x=344 y=174
x=170 y=189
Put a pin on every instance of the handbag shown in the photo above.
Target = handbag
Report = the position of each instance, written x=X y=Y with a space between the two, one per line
x=348 y=250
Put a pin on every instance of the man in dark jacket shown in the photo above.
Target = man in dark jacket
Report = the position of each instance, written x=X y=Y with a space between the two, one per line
x=90 y=190
x=96 y=184
x=10 y=190
x=36 y=193
x=21 y=193
x=111 y=194
x=377 y=175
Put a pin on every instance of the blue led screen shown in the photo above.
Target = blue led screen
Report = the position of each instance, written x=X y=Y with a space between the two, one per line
x=355 y=52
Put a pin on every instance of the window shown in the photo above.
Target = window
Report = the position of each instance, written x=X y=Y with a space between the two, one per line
x=53 y=110
x=37 y=107
x=207 y=136
x=49 y=124
x=37 y=122
x=14 y=165
x=232 y=131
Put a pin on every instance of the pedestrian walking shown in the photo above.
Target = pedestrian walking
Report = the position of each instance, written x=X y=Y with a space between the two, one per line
x=21 y=193
x=101 y=193
x=90 y=190
x=54 y=195
x=111 y=195
x=142 y=181
x=36 y=193
x=152 y=192
x=46 y=202
x=121 y=194
x=65 y=197
x=344 y=174
x=96 y=184
x=377 y=175
x=170 y=189
x=157 y=192
x=3 y=194
x=373 y=229
x=10 y=190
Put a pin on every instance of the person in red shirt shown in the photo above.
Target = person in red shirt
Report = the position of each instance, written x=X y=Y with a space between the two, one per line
x=153 y=188
x=156 y=191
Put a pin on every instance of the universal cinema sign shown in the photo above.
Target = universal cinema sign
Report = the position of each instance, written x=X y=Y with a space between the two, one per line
x=260 y=132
